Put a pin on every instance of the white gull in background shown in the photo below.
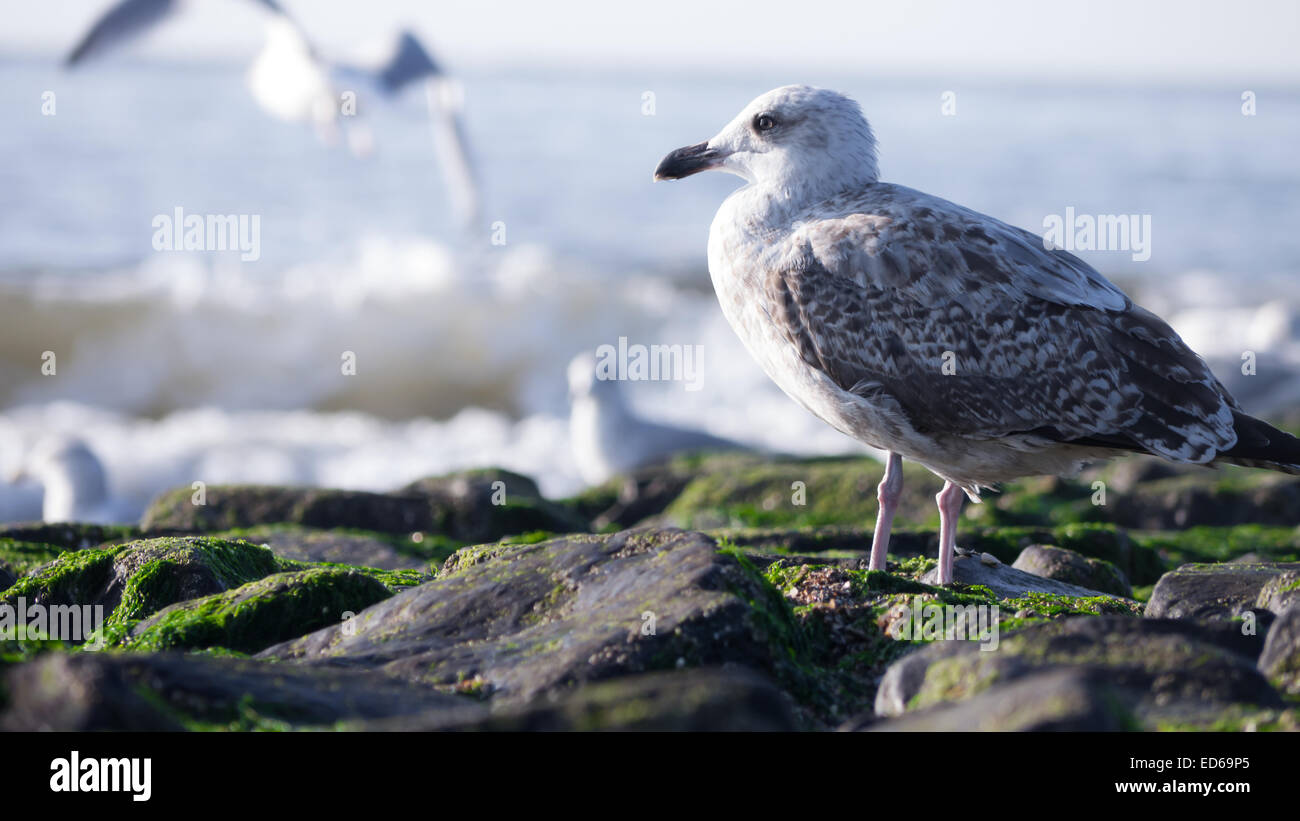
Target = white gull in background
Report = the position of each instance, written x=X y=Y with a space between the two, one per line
x=938 y=333
x=74 y=482
x=290 y=80
x=608 y=439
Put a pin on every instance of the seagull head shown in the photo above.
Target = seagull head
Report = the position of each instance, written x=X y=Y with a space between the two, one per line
x=794 y=139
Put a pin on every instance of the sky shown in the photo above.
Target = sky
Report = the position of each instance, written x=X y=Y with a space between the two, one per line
x=1195 y=41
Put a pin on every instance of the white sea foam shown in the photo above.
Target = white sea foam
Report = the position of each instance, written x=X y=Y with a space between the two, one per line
x=174 y=373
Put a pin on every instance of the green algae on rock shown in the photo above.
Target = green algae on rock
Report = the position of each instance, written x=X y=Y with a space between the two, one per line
x=1218 y=591
x=725 y=699
x=533 y=618
x=135 y=580
x=228 y=507
x=386 y=551
x=174 y=691
x=258 y=614
x=1064 y=700
x=469 y=507
x=68 y=535
x=1280 y=660
x=1072 y=567
x=1157 y=663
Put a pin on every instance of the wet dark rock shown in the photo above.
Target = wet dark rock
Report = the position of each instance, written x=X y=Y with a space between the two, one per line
x=1004 y=580
x=727 y=699
x=1280 y=660
x=519 y=620
x=227 y=507
x=1215 y=591
x=7 y=576
x=629 y=500
x=1157 y=660
x=485 y=505
x=1280 y=592
x=169 y=691
x=1065 y=700
x=339 y=547
x=470 y=507
x=1073 y=568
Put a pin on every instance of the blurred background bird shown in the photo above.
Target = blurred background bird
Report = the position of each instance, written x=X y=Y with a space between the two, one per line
x=291 y=80
x=72 y=480
x=609 y=439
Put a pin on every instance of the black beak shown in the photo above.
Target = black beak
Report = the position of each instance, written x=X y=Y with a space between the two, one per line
x=686 y=161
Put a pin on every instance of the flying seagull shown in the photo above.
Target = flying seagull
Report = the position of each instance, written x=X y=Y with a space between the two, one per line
x=290 y=80
x=608 y=439
x=938 y=333
x=404 y=62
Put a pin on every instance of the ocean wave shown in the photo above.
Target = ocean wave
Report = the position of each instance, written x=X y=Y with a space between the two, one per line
x=178 y=371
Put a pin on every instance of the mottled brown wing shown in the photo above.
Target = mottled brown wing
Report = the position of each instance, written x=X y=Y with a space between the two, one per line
x=973 y=331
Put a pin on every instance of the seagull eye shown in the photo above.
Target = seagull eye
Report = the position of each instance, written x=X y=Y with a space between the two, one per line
x=764 y=122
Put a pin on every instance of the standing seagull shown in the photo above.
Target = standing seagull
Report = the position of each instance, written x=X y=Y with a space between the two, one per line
x=938 y=333
x=609 y=439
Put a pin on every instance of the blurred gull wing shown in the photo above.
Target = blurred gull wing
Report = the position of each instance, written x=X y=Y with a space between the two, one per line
x=127 y=20
x=401 y=62
x=410 y=62
x=446 y=97
x=121 y=23
x=389 y=65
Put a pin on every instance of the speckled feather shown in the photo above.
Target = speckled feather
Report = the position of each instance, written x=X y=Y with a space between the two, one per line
x=875 y=288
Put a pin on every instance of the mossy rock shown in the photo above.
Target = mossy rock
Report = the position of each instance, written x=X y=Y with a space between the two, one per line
x=1223 y=591
x=1280 y=660
x=1066 y=700
x=476 y=506
x=133 y=580
x=516 y=621
x=258 y=614
x=25 y=547
x=1155 y=661
x=1074 y=568
x=133 y=692
x=729 y=490
x=20 y=558
x=68 y=535
x=1105 y=542
x=228 y=507
x=468 y=507
x=387 y=551
x=1008 y=582
x=729 y=699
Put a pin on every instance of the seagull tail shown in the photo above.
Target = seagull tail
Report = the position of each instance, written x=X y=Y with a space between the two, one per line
x=1260 y=445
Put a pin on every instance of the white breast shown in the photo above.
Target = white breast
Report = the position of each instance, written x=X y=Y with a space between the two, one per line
x=733 y=267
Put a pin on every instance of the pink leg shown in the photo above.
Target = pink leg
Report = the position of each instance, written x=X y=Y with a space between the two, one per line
x=949 y=499
x=889 y=492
